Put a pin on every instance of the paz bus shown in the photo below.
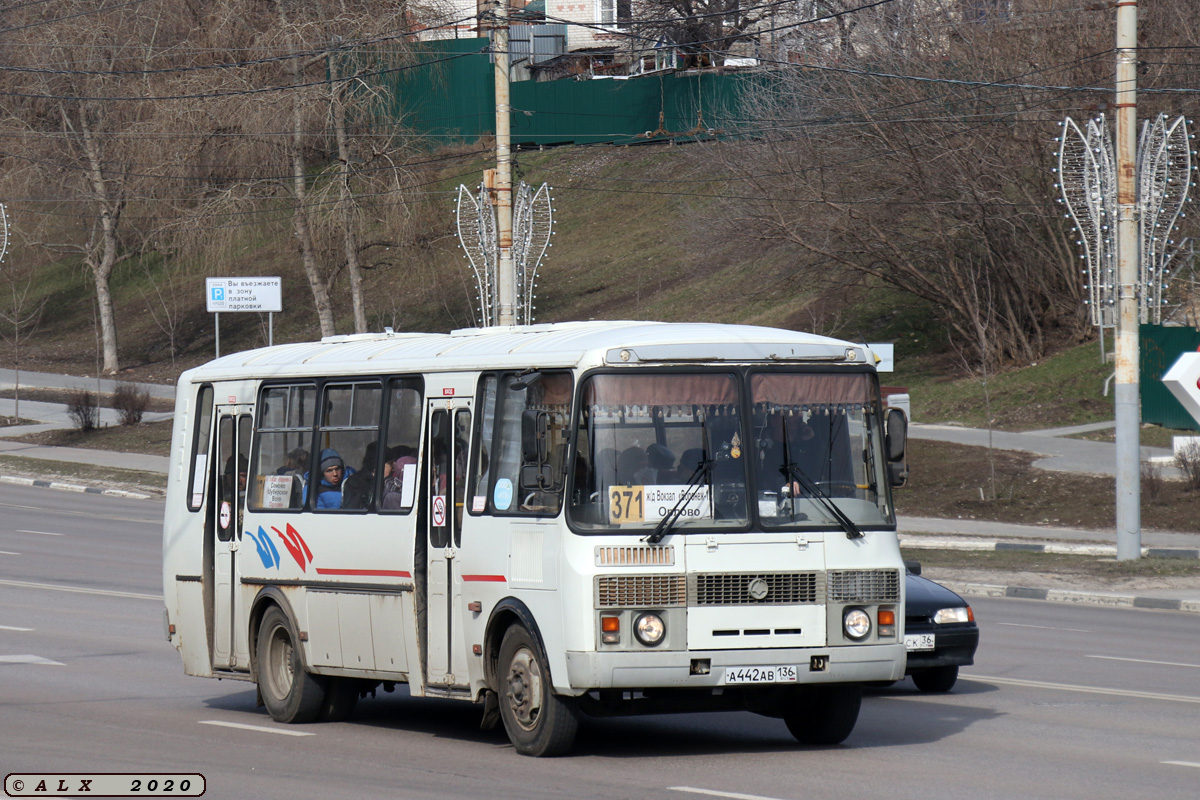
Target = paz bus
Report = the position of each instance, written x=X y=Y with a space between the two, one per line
x=553 y=521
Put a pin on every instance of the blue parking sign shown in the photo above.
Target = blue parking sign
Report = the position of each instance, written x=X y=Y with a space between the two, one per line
x=218 y=294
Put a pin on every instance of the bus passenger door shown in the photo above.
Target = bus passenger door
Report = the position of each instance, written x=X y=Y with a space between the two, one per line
x=230 y=649
x=445 y=478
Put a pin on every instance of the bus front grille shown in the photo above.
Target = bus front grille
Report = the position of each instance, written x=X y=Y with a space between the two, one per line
x=864 y=586
x=640 y=591
x=769 y=588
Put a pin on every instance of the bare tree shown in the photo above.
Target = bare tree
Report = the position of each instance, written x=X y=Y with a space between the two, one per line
x=703 y=30
x=21 y=312
x=883 y=156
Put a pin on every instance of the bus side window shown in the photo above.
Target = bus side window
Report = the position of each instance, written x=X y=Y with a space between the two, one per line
x=549 y=395
x=402 y=439
x=201 y=440
x=480 y=487
x=283 y=450
x=347 y=454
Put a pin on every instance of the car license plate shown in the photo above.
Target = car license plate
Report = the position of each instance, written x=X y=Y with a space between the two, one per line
x=919 y=641
x=783 y=673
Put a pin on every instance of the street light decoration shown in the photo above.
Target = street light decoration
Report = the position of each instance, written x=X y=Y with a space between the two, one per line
x=1088 y=182
x=475 y=221
x=533 y=225
x=3 y=232
x=1165 y=163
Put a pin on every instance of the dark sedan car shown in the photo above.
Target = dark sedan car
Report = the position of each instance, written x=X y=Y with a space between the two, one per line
x=940 y=633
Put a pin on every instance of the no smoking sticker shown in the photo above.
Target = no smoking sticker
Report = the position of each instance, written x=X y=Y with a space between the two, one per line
x=439 y=510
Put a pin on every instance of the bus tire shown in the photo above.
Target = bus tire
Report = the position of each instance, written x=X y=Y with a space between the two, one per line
x=538 y=722
x=824 y=715
x=936 y=679
x=288 y=691
x=341 y=696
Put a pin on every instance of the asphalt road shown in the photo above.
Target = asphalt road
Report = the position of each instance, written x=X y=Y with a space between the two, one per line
x=1064 y=702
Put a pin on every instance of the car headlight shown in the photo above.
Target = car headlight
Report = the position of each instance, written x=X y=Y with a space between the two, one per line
x=649 y=629
x=960 y=614
x=857 y=623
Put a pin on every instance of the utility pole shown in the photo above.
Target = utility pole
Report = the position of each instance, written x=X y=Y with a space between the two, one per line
x=506 y=283
x=1127 y=407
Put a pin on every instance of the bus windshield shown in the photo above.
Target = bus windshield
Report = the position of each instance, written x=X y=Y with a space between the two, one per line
x=817 y=458
x=650 y=445
x=676 y=445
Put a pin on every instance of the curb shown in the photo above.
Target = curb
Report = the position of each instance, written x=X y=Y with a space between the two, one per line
x=69 y=487
x=1078 y=598
x=937 y=543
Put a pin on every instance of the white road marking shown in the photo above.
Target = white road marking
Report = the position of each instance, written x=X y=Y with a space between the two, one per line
x=27 y=659
x=1181 y=763
x=1068 y=687
x=6 y=553
x=1042 y=627
x=280 y=731
x=1147 y=661
x=41 y=533
x=11 y=628
x=81 y=590
x=714 y=793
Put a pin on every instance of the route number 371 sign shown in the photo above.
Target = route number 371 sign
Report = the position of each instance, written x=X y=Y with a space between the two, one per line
x=630 y=504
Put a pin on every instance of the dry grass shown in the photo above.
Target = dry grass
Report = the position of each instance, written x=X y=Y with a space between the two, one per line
x=149 y=438
x=152 y=483
x=1095 y=567
x=947 y=479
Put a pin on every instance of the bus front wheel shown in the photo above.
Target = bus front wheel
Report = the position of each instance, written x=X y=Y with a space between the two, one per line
x=538 y=722
x=289 y=692
x=823 y=715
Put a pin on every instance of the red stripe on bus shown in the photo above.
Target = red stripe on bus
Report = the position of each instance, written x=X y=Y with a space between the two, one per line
x=488 y=578
x=387 y=573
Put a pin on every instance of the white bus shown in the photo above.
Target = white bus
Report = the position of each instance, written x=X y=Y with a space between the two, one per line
x=552 y=521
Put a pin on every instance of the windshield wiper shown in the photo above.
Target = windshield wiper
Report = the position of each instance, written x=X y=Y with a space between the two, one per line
x=794 y=474
x=797 y=475
x=664 y=526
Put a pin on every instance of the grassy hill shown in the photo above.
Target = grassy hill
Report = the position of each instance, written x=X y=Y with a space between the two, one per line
x=637 y=236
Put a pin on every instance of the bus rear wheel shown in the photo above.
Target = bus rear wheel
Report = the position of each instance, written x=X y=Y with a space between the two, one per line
x=823 y=715
x=538 y=722
x=289 y=692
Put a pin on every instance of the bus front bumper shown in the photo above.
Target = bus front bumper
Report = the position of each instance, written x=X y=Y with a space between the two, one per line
x=713 y=668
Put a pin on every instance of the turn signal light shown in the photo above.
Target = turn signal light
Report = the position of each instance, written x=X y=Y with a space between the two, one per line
x=887 y=622
x=610 y=630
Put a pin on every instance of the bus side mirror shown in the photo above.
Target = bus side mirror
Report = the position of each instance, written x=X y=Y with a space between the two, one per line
x=896 y=438
x=536 y=472
x=534 y=425
x=897 y=434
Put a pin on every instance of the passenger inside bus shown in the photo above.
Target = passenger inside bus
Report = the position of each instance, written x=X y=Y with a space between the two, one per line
x=333 y=473
x=400 y=457
x=659 y=469
x=631 y=464
x=359 y=487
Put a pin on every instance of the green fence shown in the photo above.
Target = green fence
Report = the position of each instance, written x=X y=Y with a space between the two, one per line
x=1160 y=348
x=451 y=96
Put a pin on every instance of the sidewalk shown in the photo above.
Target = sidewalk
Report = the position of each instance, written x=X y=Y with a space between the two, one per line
x=54 y=416
x=1061 y=454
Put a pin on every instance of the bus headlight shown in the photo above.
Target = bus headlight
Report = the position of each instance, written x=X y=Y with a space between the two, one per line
x=857 y=623
x=649 y=629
